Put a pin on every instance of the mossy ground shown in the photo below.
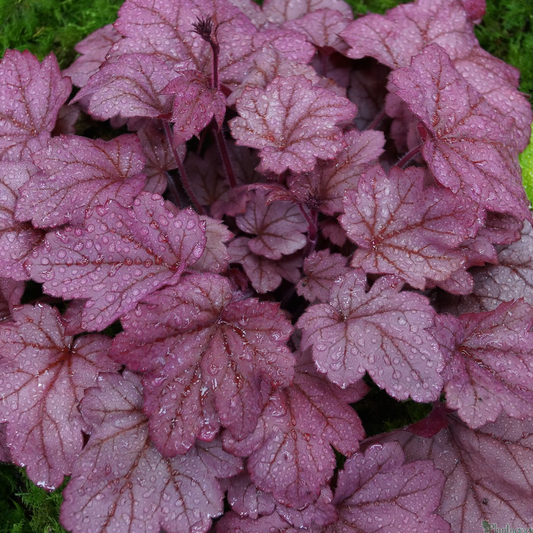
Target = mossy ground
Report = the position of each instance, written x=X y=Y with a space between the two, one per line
x=42 y=26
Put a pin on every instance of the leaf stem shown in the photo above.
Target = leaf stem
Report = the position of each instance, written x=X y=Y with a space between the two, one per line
x=312 y=228
x=224 y=155
x=174 y=192
x=216 y=49
x=408 y=156
x=183 y=172
x=377 y=120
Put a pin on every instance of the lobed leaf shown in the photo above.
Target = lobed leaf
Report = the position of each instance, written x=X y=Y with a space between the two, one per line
x=121 y=483
x=165 y=29
x=17 y=239
x=401 y=228
x=269 y=62
x=131 y=87
x=382 y=331
x=44 y=376
x=490 y=367
x=118 y=257
x=93 y=50
x=292 y=123
x=196 y=102
x=509 y=279
x=469 y=146
x=265 y=524
x=78 y=174
x=215 y=258
x=279 y=11
x=264 y=274
x=321 y=269
x=324 y=187
x=31 y=94
x=278 y=227
x=376 y=492
x=159 y=158
x=488 y=471
x=210 y=359
x=289 y=453
x=404 y=32
x=323 y=28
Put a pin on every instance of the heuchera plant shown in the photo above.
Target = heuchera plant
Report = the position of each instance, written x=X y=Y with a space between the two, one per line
x=295 y=199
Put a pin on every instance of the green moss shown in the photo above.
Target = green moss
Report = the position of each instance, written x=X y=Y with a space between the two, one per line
x=380 y=413
x=45 y=25
x=12 y=512
x=507 y=33
x=526 y=161
x=363 y=7
x=24 y=507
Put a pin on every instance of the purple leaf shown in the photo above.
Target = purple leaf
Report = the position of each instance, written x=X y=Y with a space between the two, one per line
x=279 y=11
x=279 y=227
x=332 y=230
x=319 y=513
x=78 y=174
x=268 y=64
x=403 y=229
x=288 y=45
x=498 y=229
x=497 y=82
x=31 y=94
x=488 y=471
x=130 y=87
x=272 y=523
x=93 y=50
x=196 y=102
x=323 y=28
x=367 y=89
x=475 y=9
x=490 y=366
x=321 y=269
x=164 y=29
x=247 y=500
x=17 y=239
x=511 y=278
x=121 y=483
x=208 y=354
x=469 y=145
x=159 y=158
x=292 y=123
x=119 y=256
x=265 y=274
x=207 y=179
x=325 y=186
x=10 y=294
x=215 y=258
x=44 y=375
x=377 y=492
x=383 y=331
x=289 y=453
x=403 y=33
x=394 y=38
